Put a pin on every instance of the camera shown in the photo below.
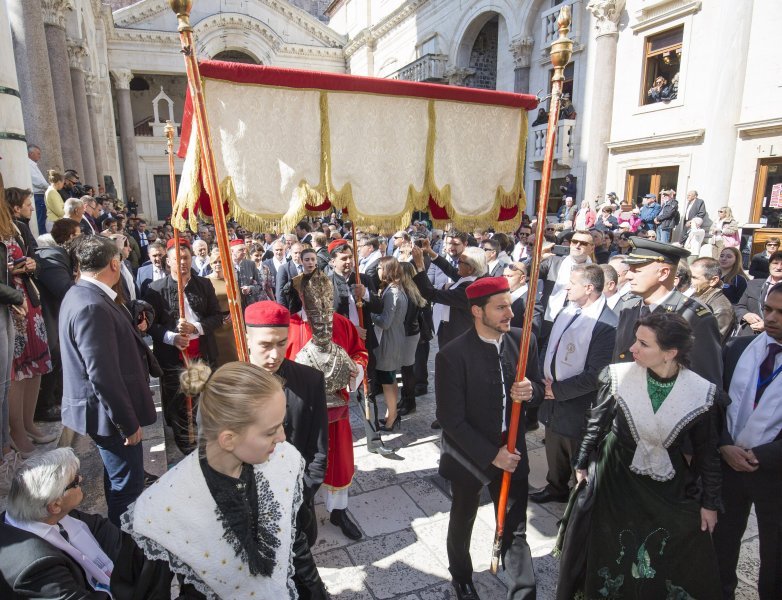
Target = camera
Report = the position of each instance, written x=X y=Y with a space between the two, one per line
x=419 y=243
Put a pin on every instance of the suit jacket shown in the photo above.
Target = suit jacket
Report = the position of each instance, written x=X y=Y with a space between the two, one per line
x=87 y=226
x=323 y=258
x=31 y=567
x=567 y=414
x=751 y=301
x=518 y=307
x=247 y=275
x=306 y=419
x=460 y=319
x=284 y=274
x=164 y=298
x=144 y=277
x=55 y=278
x=469 y=394
x=105 y=365
x=269 y=262
x=704 y=326
x=769 y=455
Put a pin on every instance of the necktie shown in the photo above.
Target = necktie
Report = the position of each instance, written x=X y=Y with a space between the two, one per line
x=455 y=263
x=299 y=268
x=645 y=311
x=767 y=370
x=63 y=533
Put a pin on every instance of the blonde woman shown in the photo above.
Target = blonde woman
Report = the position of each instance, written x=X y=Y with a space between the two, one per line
x=55 y=207
x=586 y=217
x=225 y=517
x=725 y=230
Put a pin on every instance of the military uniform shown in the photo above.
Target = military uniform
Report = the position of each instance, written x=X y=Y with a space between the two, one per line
x=706 y=351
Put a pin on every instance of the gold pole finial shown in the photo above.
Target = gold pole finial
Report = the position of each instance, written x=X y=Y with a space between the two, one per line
x=182 y=9
x=562 y=48
x=168 y=130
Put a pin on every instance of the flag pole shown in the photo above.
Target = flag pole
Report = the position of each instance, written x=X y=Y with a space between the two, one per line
x=561 y=51
x=169 y=131
x=182 y=9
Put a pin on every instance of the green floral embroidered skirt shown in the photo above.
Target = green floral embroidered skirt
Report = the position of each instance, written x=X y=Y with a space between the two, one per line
x=645 y=540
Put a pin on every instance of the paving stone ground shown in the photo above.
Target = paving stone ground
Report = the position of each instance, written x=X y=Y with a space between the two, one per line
x=402 y=505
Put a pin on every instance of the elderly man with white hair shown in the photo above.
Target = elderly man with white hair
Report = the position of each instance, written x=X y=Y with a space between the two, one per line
x=49 y=549
x=201 y=262
x=74 y=209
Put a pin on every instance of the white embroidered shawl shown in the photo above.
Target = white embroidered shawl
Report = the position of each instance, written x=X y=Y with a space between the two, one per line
x=653 y=433
x=175 y=520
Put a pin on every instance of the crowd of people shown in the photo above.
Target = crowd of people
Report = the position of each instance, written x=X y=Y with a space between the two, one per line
x=652 y=365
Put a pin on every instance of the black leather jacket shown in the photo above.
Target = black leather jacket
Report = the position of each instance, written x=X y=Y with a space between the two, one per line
x=703 y=477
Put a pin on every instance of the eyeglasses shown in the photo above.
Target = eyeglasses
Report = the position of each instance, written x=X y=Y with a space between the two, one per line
x=74 y=484
x=772 y=245
x=488 y=249
x=513 y=267
x=580 y=243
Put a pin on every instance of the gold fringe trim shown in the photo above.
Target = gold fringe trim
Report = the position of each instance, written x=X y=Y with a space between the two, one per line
x=187 y=197
x=342 y=198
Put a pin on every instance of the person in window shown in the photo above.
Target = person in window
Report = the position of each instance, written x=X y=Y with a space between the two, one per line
x=671 y=91
x=655 y=93
x=566 y=109
x=649 y=535
x=542 y=117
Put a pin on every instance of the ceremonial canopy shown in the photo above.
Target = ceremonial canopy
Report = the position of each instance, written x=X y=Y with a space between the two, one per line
x=289 y=143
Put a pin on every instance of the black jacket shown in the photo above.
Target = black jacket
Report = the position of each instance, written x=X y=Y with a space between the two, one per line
x=306 y=419
x=468 y=389
x=566 y=414
x=31 y=567
x=55 y=278
x=704 y=327
x=164 y=298
x=701 y=435
x=285 y=274
x=669 y=215
x=751 y=301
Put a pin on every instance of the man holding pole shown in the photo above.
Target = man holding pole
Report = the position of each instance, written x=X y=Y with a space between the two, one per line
x=475 y=390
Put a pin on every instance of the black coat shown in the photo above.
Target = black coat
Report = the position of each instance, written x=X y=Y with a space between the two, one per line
x=706 y=348
x=31 y=567
x=668 y=216
x=164 y=298
x=468 y=389
x=519 y=306
x=247 y=275
x=566 y=414
x=55 y=278
x=105 y=364
x=306 y=419
x=460 y=319
x=751 y=301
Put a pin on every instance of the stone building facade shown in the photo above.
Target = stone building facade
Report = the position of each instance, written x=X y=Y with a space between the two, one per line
x=97 y=81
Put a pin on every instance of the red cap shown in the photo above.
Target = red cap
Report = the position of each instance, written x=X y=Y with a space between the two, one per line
x=236 y=242
x=487 y=286
x=183 y=243
x=336 y=244
x=266 y=314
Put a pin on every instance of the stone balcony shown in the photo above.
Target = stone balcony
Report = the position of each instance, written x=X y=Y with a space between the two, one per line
x=549 y=17
x=429 y=68
x=564 y=149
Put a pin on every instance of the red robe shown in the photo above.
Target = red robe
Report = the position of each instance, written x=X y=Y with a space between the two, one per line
x=339 y=466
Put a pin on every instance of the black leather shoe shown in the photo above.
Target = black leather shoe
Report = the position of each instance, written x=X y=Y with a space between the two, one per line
x=436 y=425
x=408 y=408
x=465 y=591
x=340 y=518
x=531 y=426
x=544 y=496
x=420 y=390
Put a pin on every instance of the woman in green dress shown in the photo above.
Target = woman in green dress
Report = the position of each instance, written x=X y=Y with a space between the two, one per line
x=656 y=489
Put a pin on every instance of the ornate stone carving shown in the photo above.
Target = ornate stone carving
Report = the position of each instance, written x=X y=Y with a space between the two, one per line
x=606 y=14
x=458 y=75
x=54 y=12
x=521 y=49
x=122 y=78
x=77 y=52
x=90 y=84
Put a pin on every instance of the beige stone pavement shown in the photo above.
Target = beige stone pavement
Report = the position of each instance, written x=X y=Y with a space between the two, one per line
x=401 y=506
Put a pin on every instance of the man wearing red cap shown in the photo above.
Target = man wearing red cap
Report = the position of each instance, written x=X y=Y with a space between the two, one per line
x=475 y=389
x=173 y=334
x=306 y=422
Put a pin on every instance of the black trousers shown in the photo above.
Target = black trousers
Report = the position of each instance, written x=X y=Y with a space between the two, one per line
x=175 y=410
x=408 y=385
x=560 y=454
x=421 y=366
x=516 y=555
x=739 y=492
x=50 y=393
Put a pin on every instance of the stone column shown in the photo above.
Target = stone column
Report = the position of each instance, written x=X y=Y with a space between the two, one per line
x=127 y=136
x=94 y=107
x=13 y=145
x=35 y=80
x=76 y=54
x=605 y=15
x=54 y=28
x=521 y=49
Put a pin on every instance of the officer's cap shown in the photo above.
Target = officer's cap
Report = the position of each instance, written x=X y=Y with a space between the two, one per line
x=645 y=251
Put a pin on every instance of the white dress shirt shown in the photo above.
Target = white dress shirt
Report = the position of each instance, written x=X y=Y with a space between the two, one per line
x=40 y=185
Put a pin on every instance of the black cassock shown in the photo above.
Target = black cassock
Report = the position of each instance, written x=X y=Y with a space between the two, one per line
x=470 y=395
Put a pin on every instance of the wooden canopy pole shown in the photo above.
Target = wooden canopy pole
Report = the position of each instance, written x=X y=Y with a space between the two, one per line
x=169 y=131
x=561 y=51
x=182 y=9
